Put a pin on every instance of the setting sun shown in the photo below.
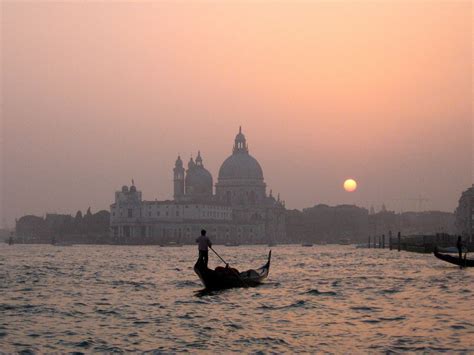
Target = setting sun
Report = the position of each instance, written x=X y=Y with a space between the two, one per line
x=350 y=185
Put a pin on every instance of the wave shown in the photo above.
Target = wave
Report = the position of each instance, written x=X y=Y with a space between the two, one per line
x=297 y=304
x=316 y=292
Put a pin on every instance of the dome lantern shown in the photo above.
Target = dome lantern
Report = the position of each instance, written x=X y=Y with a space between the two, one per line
x=199 y=159
x=240 y=145
x=191 y=163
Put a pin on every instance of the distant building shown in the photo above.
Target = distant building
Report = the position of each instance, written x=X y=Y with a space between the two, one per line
x=465 y=214
x=92 y=228
x=4 y=234
x=32 y=228
x=239 y=211
x=330 y=224
x=411 y=223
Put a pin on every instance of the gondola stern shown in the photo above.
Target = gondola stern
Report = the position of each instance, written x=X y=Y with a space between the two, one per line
x=269 y=258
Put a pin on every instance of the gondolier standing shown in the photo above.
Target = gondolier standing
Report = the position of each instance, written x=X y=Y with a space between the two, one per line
x=459 y=245
x=203 y=246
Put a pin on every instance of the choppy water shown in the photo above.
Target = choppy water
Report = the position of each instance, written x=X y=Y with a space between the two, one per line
x=325 y=298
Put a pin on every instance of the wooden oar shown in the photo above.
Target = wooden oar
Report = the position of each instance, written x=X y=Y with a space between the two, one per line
x=215 y=252
x=235 y=272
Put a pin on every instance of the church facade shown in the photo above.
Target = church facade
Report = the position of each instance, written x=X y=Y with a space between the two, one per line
x=238 y=210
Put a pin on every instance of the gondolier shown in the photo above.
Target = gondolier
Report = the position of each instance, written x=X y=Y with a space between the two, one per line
x=203 y=246
x=459 y=245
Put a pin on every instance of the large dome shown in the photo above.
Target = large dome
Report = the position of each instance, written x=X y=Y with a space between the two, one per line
x=240 y=166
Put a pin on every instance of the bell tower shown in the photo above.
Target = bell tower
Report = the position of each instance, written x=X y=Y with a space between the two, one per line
x=178 y=180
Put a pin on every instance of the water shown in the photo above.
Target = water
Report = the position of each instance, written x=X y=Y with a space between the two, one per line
x=325 y=298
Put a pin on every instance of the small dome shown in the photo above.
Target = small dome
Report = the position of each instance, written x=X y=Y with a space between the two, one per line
x=198 y=180
x=124 y=188
x=240 y=166
x=133 y=188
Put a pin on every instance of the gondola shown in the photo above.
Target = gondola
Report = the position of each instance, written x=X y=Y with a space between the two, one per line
x=454 y=259
x=227 y=277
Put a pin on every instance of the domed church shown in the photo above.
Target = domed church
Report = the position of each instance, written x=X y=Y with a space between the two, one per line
x=240 y=211
x=193 y=185
x=240 y=177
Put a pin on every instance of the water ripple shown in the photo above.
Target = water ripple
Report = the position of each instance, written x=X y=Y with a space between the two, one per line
x=85 y=299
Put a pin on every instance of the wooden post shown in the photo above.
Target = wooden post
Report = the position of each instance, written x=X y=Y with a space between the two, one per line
x=399 y=240
x=383 y=241
x=369 y=241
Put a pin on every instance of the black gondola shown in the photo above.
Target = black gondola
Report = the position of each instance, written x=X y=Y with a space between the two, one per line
x=454 y=259
x=227 y=277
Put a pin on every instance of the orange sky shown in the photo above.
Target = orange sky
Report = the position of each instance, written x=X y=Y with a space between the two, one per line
x=97 y=93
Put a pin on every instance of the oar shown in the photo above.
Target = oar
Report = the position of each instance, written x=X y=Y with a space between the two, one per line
x=215 y=252
x=235 y=272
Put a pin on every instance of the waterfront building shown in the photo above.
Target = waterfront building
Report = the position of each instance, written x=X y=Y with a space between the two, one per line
x=240 y=210
x=465 y=214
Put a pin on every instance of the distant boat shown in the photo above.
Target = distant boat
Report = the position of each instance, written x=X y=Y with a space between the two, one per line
x=171 y=244
x=232 y=244
x=344 y=241
x=272 y=244
x=451 y=250
x=367 y=246
x=307 y=245
x=63 y=244
x=454 y=259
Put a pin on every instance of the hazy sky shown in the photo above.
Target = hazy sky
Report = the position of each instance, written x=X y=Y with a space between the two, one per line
x=97 y=93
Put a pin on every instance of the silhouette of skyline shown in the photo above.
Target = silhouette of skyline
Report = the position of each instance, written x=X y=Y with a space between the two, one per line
x=96 y=94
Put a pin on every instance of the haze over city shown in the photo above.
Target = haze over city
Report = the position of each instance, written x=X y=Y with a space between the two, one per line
x=95 y=94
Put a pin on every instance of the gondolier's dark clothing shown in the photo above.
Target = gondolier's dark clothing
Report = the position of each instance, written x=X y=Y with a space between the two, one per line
x=459 y=245
x=203 y=257
x=203 y=243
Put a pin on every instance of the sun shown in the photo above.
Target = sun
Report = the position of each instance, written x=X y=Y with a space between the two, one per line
x=350 y=185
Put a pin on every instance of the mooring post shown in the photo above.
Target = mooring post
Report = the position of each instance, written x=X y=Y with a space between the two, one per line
x=369 y=241
x=399 y=240
x=383 y=241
